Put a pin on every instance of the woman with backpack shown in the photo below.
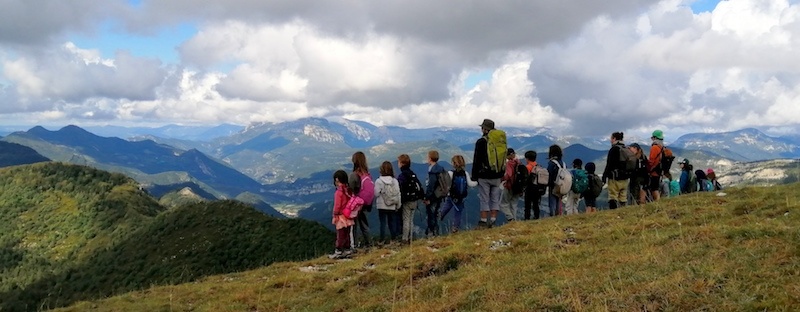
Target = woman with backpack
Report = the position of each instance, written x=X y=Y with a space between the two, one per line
x=554 y=154
x=387 y=201
x=360 y=182
x=343 y=224
x=458 y=191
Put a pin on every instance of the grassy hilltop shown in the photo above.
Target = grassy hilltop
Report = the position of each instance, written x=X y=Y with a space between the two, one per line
x=694 y=252
x=70 y=233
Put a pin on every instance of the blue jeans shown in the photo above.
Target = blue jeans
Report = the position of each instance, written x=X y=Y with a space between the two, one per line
x=555 y=205
x=448 y=205
x=432 y=210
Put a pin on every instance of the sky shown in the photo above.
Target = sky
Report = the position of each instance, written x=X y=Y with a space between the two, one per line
x=577 y=67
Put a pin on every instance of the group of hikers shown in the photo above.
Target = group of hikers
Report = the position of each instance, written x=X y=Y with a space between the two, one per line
x=502 y=180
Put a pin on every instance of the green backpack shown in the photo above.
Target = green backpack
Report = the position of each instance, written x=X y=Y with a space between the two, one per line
x=496 y=147
x=580 y=181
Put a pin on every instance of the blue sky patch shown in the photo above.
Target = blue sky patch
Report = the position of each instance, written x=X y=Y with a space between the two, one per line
x=701 y=6
x=163 y=44
x=474 y=79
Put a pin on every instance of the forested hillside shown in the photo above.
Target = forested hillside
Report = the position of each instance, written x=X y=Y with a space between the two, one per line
x=12 y=154
x=71 y=233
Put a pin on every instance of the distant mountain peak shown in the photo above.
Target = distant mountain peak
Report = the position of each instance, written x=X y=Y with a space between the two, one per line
x=322 y=134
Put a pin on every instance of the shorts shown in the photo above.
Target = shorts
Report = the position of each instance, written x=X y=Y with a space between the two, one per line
x=590 y=201
x=654 y=184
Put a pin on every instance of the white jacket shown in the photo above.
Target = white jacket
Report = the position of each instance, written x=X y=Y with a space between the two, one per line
x=380 y=184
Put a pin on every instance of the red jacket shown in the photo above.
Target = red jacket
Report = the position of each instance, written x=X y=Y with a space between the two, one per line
x=508 y=177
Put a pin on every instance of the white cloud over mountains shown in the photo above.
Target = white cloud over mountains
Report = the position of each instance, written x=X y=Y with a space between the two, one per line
x=579 y=67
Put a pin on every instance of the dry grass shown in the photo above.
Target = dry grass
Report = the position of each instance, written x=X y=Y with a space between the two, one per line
x=696 y=252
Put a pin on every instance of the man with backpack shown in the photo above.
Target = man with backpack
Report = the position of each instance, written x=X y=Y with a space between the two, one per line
x=659 y=155
x=513 y=185
x=619 y=164
x=488 y=168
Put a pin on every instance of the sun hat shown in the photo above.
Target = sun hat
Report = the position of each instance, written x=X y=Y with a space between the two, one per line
x=487 y=124
x=658 y=134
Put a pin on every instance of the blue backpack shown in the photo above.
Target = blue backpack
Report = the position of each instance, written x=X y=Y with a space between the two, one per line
x=458 y=189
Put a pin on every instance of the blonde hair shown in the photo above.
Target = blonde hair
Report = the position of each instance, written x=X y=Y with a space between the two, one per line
x=403 y=159
x=458 y=162
x=433 y=155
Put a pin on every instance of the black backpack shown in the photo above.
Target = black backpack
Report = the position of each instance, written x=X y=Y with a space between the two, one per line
x=520 y=179
x=595 y=186
x=665 y=164
x=411 y=189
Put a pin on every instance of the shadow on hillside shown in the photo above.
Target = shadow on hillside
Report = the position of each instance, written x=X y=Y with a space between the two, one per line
x=178 y=247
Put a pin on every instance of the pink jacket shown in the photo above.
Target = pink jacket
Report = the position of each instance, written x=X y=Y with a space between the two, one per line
x=340 y=199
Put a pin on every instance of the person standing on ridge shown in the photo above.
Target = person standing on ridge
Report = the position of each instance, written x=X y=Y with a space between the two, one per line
x=556 y=161
x=360 y=182
x=654 y=165
x=432 y=202
x=509 y=200
x=488 y=170
x=615 y=175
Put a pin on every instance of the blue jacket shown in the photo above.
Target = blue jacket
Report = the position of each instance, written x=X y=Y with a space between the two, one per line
x=433 y=181
x=684 y=181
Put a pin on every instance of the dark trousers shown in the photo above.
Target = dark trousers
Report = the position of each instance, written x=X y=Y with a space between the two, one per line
x=391 y=220
x=532 y=198
x=432 y=210
x=363 y=225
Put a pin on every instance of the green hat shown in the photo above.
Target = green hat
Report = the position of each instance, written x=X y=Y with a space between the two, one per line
x=658 y=134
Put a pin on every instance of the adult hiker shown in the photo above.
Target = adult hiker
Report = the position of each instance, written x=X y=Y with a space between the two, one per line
x=488 y=168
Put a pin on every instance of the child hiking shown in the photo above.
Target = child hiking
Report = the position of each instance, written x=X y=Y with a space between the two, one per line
x=342 y=223
x=458 y=192
x=387 y=201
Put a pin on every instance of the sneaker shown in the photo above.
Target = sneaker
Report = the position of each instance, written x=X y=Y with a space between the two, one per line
x=336 y=255
x=347 y=253
x=482 y=225
x=454 y=230
x=491 y=224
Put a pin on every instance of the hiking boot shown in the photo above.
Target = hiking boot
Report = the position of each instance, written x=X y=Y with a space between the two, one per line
x=482 y=225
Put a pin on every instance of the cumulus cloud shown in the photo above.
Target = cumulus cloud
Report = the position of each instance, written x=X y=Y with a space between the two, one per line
x=670 y=68
x=70 y=74
x=575 y=66
x=32 y=22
